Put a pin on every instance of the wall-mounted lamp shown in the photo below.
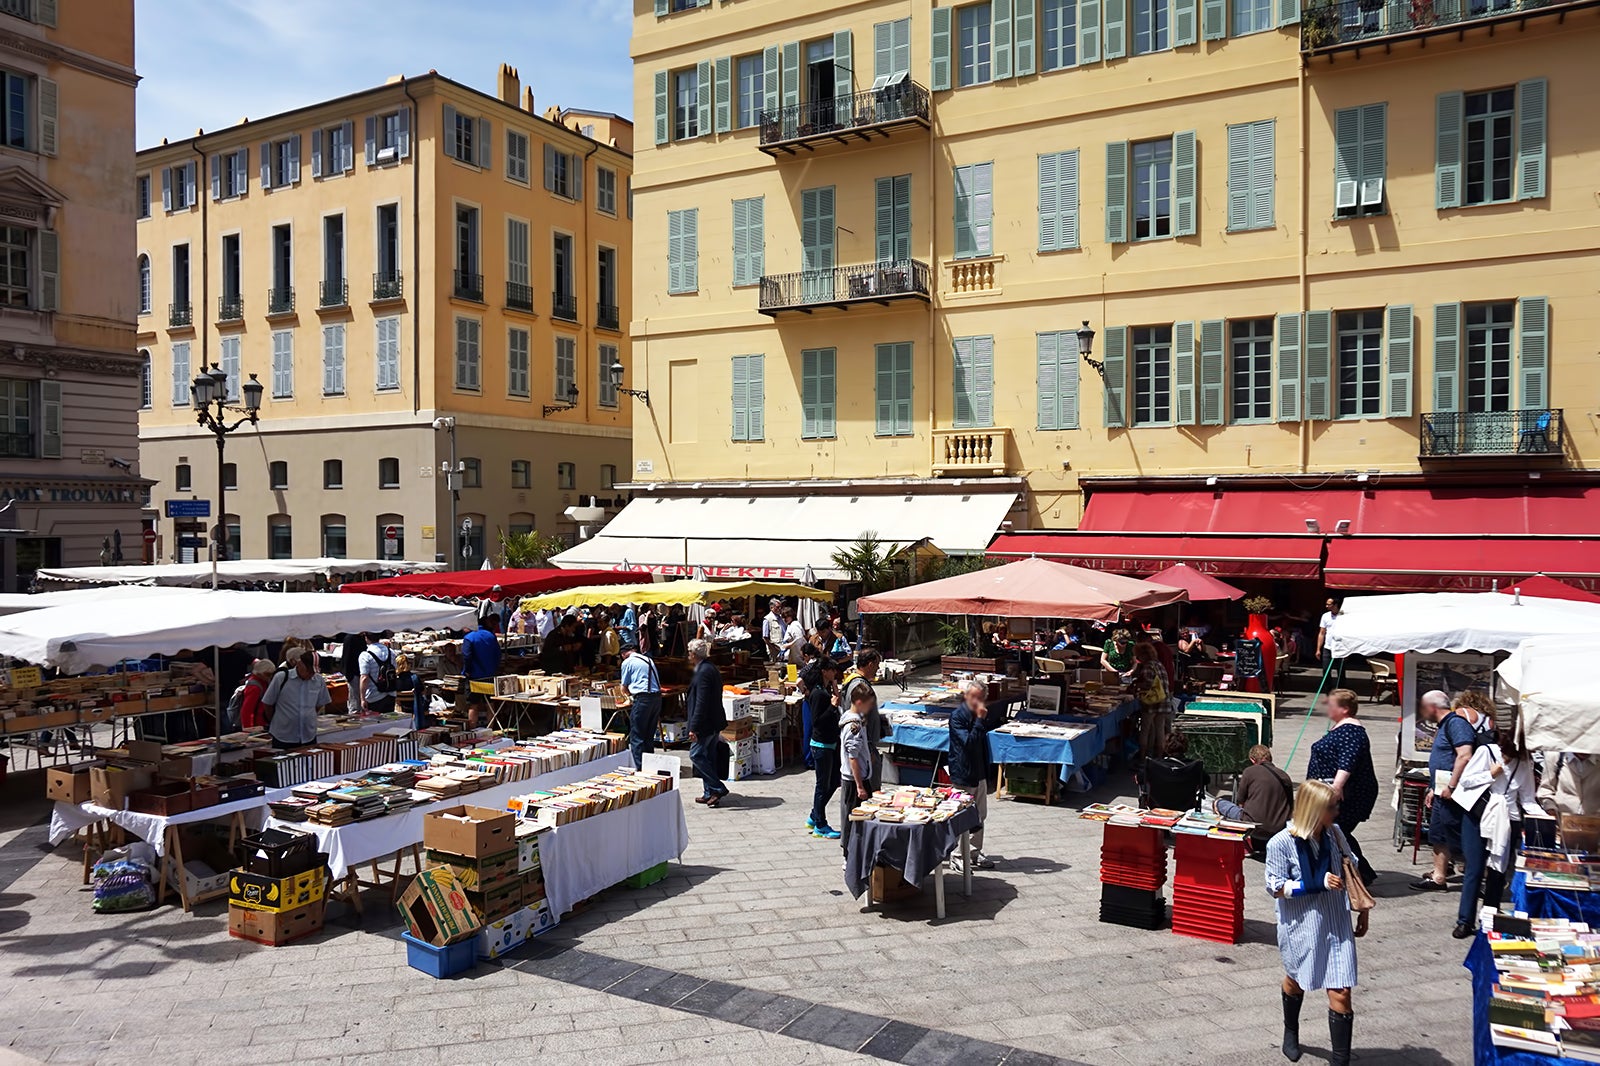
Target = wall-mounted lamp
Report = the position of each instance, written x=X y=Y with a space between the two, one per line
x=1086 y=349
x=1313 y=526
x=616 y=379
x=1342 y=527
x=572 y=401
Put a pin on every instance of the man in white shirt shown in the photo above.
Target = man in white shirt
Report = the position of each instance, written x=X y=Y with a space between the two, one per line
x=794 y=638
x=546 y=620
x=373 y=697
x=772 y=631
x=1324 y=657
x=293 y=700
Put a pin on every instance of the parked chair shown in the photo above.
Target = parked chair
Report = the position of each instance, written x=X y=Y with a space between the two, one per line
x=1049 y=666
x=1536 y=438
x=1383 y=678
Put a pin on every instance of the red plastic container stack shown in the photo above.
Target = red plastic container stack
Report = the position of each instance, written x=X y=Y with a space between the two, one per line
x=1133 y=868
x=1208 y=888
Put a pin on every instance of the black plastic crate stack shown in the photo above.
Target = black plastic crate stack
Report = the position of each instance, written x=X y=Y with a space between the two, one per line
x=1133 y=868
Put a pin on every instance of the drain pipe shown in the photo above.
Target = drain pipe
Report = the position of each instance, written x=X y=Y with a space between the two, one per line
x=416 y=248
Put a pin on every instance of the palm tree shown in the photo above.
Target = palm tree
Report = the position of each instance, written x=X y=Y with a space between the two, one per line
x=531 y=550
x=867 y=560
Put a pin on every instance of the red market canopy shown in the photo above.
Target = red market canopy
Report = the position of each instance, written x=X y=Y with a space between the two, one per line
x=465 y=584
x=1199 y=585
x=1545 y=587
x=1035 y=588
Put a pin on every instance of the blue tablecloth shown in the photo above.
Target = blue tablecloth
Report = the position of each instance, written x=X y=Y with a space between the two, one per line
x=1005 y=748
x=1480 y=964
x=1550 y=903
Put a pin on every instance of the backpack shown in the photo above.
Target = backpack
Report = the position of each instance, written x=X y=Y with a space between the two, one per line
x=235 y=710
x=386 y=680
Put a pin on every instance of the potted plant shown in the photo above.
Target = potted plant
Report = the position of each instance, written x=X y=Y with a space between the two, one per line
x=1259 y=629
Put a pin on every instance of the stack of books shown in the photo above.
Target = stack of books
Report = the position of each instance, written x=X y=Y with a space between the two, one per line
x=1546 y=995
x=331 y=814
x=1564 y=871
x=912 y=806
x=290 y=809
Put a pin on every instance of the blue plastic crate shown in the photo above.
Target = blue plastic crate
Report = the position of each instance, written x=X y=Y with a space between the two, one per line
x=441 y=962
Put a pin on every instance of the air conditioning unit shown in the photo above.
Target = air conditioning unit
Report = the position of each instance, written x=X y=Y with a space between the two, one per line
x=1372 y=192
x=1344 y=195
x=388 y=155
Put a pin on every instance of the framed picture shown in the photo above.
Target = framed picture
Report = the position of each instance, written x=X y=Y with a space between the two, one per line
x=1449 y=672
x=1044 y=699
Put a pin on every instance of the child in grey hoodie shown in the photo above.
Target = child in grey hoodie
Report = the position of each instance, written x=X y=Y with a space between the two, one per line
x=855 y=759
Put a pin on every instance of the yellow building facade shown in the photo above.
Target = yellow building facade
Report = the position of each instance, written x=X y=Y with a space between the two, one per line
x=1311 y=247
x=69 y=486
x=416 y=273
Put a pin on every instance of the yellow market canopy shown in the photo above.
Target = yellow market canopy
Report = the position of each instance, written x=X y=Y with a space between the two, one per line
x=670 y=592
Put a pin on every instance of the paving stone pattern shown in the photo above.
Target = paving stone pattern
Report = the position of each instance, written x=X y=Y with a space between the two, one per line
x=749 y=952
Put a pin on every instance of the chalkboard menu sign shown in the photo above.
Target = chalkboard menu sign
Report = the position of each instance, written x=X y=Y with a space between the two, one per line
x=1247 y=659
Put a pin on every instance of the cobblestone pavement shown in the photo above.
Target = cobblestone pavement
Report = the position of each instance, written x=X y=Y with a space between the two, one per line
x=748 y=952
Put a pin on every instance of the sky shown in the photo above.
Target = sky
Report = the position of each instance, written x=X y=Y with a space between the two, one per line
x=205 y=64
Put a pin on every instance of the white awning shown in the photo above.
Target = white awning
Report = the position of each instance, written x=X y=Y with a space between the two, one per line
x=198 y=575
x=777 y=537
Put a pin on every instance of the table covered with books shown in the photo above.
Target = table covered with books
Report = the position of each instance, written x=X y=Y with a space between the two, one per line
x=1063 y=741
x=912 y=830
x=1531 y=897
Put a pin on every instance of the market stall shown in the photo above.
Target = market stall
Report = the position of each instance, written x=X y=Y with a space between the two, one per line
x=476 y=584
x=669 y=593
x=298 y=572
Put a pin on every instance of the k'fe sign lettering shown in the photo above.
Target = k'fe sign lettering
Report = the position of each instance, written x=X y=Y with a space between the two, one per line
x=1247 y=659
x=734 y=573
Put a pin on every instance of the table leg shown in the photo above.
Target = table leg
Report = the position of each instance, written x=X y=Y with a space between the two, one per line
x=966 y=863
x=352 y=891
x=938 y=890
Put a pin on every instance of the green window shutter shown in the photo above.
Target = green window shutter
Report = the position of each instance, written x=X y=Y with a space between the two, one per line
x=882 y=49
x=756 y=238
x=49 y=122
x=1446 y=358
x=702 y=80
x=1289 y=368
x=49 y=270
x=962 y=405
x=44 y=12
x=1347 y=164
x=1213 y=372
x=741 y=242
x=1533 y=351
x=1067 y=199
x=843 y=78
x=50 y=409
x=756 y=395
x=827 y=359
x=1024 y=34
x=884 y=215
x=1531 y=106
x=1239 y=177
x=1183 y=373
x=741 y=398
x=691 y=249
x=983 y=381
x=1000 y=37
x=1319 y=366
x=902 y=389
x=1049 y=202
x=893 y=218
x=817 y=230
x=675 y=252
x=1399 y=360
x=1374 y=151
x=1263 y=173
x=1184 y=22
x=1214 y=20
x=1447 y=150
x=661 y=8
x=723 y=95
x=939 y=58
x=1088 y=31
x=966 y=241
x=900 y=41
x=1067 y=379
x=770 y=76
x=983 y=208
x=1183 y=184
x=663 y=110
x=1049 y=403
x=902 y=218
x=1117 y=192
x=885 y=390
x=791 y=74
x=1116 y=375
x=1116 y=28
x=1288 y=12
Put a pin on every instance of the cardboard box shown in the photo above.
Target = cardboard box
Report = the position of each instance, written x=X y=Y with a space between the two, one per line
x=887 y=885
x=735 y=707
x=69 y=784
x=473 y=832
x=533 y=890
x=528 y=837
x=144 y=751
x=200 y=879
x=164 y=798
x=109 y=786
x=276 y=928
x=504 y=934
x=478 y=875
x=175 y=769
x=261 y=893
x=435 y=909
x=497 y=902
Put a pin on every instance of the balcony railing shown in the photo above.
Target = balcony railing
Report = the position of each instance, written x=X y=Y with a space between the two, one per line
x=335 y=293
x=179 y=315
x=860 y=116
x=17 y=446
x=1476 y=434
x=971 y=451
x=280 y=301
x=387 y=286
x=230 y=308
x=1332 y=24
x=607 y=316
x=519 y=296
x=469 y=286
x=846 y=285
x=564 y=305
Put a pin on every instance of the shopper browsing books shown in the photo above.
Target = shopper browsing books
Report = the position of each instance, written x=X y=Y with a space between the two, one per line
x=970 y=723
x=1497 y=793
x=1265 y=796
x=822 y=703
x=856 y=756
x=643 y=682
x=1315 y=937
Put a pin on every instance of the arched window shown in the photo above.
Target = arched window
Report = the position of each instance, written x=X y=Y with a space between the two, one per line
x=333 y=536
x=280 y=537
x=391 y=547
x=144 y=285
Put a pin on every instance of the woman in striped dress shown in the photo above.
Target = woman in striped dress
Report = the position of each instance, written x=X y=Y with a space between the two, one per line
x=1305 y=867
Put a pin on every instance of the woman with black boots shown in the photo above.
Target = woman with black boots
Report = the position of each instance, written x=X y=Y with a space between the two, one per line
x=1305 y=874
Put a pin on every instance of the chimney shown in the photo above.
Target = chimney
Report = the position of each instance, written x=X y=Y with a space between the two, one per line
x=510 y=84
x=527 y=99
x=553 y=114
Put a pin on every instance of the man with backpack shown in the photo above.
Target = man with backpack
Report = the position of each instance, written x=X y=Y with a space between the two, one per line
x=860 y=679
x=377 y=680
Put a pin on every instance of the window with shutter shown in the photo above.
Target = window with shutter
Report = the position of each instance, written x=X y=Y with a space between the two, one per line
x=1249 y=371
x=1183 y=373
x=1151 y=30
x=722 y=95
x=468 y=365
x=663 y=107
x=180 y=374
x=1088 y=31
x=1447 y=357
x=333 y=360
x=1150 y=351
x=974 y=210
x=1251 y=170
x=1533 y=352
x=1318 y=395
x=771 y=82
x=683 y=250
x=1185 y=22
x=973 y=378
x=703 y=93
x=1360 y=150
x=388 y=354
x=1058 y=201
x=893 y=218
x=975 y=44
x=843 y=78
x=1399 y=360
x=893 y=395
x=749 y=240
x=1212 y=373
x=791 y=74
x=1023 y=33
x=1487 y=360
x=1184 y=180
x=1000 y=37
x=1117 y=192
x=1214 y=18
x=1058 y=34
x=1114 y=367
x=1157 y=187
x=1058 y=380
x=749 y=398
x=817 y=396
x=282 y=364
x=1289 y=368
x=939 y=48
x=1531 y=106
x=818 y=234
x=1447 y=149
x=1115 y=31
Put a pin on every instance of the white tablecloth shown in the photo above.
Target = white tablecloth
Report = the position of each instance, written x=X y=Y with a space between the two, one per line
x=359 y=842
x=68 y=818
x=583 y=857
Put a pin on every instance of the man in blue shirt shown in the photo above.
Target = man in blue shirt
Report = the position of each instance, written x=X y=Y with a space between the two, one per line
x=643 y=683
x=628 y=628
x=1452 y=748
x=480 y=651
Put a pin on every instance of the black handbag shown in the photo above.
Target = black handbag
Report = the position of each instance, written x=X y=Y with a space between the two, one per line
x=724 y=756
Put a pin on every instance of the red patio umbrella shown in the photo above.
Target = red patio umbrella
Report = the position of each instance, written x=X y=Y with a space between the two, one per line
x=1035 y=588
x=1199 y=586
x=1544 y=587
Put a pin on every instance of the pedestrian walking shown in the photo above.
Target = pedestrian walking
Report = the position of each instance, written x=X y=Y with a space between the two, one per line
x=1343 y=759
x=822 y=699
x=707 y=720
x=643 y=682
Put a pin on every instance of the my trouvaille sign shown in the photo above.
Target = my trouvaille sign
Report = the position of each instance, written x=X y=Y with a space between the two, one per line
x=42 y=494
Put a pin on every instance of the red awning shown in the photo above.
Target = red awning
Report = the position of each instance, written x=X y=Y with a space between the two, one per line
x=465 y=584
x=1295 y=557
x=1462 y=564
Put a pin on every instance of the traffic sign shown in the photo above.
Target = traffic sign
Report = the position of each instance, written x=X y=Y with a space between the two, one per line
x=391 y=540
x=188 y=508
x=149 y=536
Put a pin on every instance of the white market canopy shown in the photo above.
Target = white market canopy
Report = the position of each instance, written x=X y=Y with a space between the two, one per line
x=18 y=602
x=1453 y=621
x=198 y=575
x=1554 y=679
x=76 y=639
x=776 y=538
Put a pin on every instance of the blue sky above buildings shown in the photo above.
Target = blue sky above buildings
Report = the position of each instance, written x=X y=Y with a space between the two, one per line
x=208 y=63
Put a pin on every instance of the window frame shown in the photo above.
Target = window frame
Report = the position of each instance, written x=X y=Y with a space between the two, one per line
x=1260 y=10
x=605 y=191
x=474 y=342
x=1366 y=362
x=518 y=148
x=332 y=474
x=567 y=476
x=686 y=117
x=1256 y=359
x=386 y=464
x=1138 y=182
x=1145 y=346
x=564 y=367
x=1482 y=398
x=329 y=332
x=980 y=70
x=1065 y=37
x=521 y=474
x=274 y=467
x=607 y=386
x=472 y=473
x=1469 y=123
x=183 y=477
x=1152 y=22
x=519 y=377
x=749 y=91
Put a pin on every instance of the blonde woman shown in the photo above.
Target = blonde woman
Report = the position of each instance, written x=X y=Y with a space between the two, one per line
x=1305 y=874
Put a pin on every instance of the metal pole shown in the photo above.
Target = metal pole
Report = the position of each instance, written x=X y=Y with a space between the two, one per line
x=216 y=555
x=451 y=480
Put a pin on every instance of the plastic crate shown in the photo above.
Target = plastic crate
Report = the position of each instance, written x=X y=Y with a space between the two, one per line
x=646 y=878
x=447 y=961
x=278 y=852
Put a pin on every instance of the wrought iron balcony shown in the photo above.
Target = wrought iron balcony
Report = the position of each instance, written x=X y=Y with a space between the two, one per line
x=179 y=315
x=388 y=286
x=335 y=293
x=1336 y=25
x=861 y=116
x=843 y=286
x=469 y=286
x=607 y=316
x=1480 y=434
x=564 y=305
x=519 y=296
x=280 y=301
x=17 y=446
x=230 y=308
x=971 y=451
